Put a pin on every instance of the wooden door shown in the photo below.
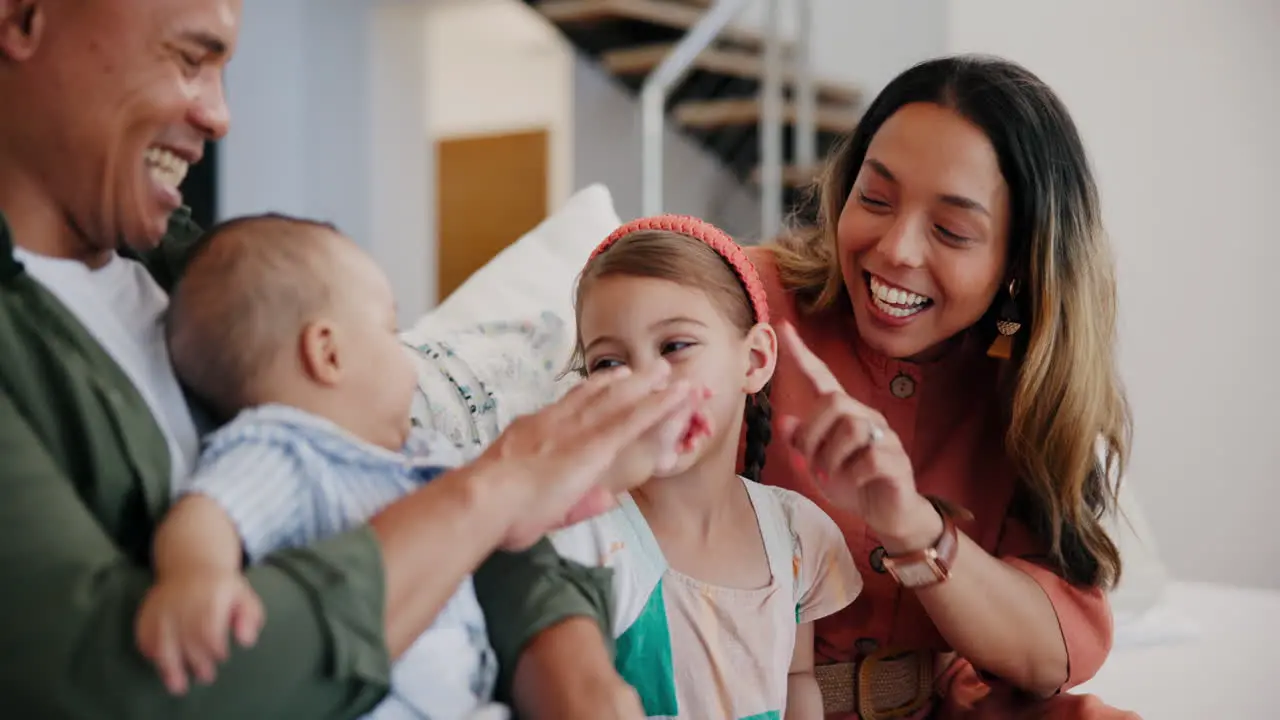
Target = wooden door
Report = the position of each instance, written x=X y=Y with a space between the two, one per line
x=491 y=190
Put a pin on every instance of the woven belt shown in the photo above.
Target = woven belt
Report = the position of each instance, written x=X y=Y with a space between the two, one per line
x=881 y=686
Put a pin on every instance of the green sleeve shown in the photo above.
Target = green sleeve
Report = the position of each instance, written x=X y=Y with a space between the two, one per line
x=69 y=598
x=523 y=594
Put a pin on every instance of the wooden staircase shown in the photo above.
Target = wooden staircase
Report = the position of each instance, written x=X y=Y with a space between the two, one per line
x=718 y=102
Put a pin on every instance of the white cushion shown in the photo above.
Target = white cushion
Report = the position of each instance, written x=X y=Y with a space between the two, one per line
x=472 y=382
x=536 y=272
x=497 y=346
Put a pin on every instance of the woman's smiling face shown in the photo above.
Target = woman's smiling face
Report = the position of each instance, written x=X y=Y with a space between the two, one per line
x=923 y=236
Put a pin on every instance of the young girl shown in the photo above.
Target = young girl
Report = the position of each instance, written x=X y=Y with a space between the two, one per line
x=717 y=579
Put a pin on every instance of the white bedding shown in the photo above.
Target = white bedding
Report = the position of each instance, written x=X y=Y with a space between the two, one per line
x=1205 y=651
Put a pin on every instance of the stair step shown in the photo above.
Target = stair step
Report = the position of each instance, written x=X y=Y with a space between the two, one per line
x=726 y=112
x=739 y=145
x=670 y=15
x=724 y=61
x=718 y=102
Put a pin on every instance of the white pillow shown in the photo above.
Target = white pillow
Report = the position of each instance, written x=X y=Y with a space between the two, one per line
x=537 y=271
x=496 y=347
x=472 y=382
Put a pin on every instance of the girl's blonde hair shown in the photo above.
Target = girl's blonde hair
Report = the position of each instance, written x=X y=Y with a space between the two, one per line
x=1069 y=423
x=679 y=258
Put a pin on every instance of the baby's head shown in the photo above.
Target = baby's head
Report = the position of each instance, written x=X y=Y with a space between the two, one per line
x=679 y=290
x=274 y=309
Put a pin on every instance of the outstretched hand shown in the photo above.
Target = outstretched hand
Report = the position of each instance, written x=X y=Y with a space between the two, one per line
x=658 y=449
x=567 y=454
x=858 y=461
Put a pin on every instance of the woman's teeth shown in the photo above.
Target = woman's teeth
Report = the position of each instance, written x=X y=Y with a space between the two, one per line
x=896 y=301
x=166 y=167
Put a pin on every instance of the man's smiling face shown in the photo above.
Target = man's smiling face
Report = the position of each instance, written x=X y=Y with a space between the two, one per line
x=120 y=97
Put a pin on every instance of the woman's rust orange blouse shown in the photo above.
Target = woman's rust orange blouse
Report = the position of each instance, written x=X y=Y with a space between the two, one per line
x=947 y=415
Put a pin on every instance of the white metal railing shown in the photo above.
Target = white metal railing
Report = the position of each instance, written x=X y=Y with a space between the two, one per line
x=806 y=94
x=673 y=68
x=771 y=124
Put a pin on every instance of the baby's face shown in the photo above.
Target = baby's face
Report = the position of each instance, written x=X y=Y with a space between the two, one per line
x=378 y=378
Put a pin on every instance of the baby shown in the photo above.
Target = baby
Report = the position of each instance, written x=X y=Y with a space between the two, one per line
x=287 y=329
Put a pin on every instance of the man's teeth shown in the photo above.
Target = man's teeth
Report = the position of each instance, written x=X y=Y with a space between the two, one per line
x=896 y=301
x=166 y=167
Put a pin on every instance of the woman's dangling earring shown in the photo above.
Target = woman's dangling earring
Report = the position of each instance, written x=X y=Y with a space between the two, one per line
x=1007 y=325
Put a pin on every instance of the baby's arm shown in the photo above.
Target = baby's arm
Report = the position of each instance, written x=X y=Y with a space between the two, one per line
x=199 y=596
x=244 y=499
x=804 y=698
x=196 y=536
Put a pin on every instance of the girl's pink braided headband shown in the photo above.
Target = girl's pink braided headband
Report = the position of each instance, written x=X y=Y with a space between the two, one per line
x=713 y=237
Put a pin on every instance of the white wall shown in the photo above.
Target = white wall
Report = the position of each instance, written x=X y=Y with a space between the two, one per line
x=327 y=117
x=862 y=41
x=402 y=178
x=497 y=66
x=1179 y=104
x=262 y=164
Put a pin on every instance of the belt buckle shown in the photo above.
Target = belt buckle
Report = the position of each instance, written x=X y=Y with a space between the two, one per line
x=886 y=673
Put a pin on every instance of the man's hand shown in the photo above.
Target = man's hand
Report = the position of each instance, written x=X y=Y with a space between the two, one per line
x=185 y=619
x=656 y=452
x=556 y=457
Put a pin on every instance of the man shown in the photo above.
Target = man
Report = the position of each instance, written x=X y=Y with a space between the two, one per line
x=108 y=102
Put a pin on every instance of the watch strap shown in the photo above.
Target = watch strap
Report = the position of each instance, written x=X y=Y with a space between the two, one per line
x=931 y=565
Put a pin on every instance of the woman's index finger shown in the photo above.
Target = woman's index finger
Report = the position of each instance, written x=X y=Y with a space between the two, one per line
x=819 y=375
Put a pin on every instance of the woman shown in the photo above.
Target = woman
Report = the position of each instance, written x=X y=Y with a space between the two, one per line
x=947 y=384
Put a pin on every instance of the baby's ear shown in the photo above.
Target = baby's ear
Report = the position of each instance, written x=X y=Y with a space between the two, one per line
x=762 y=349
x=318 y=352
